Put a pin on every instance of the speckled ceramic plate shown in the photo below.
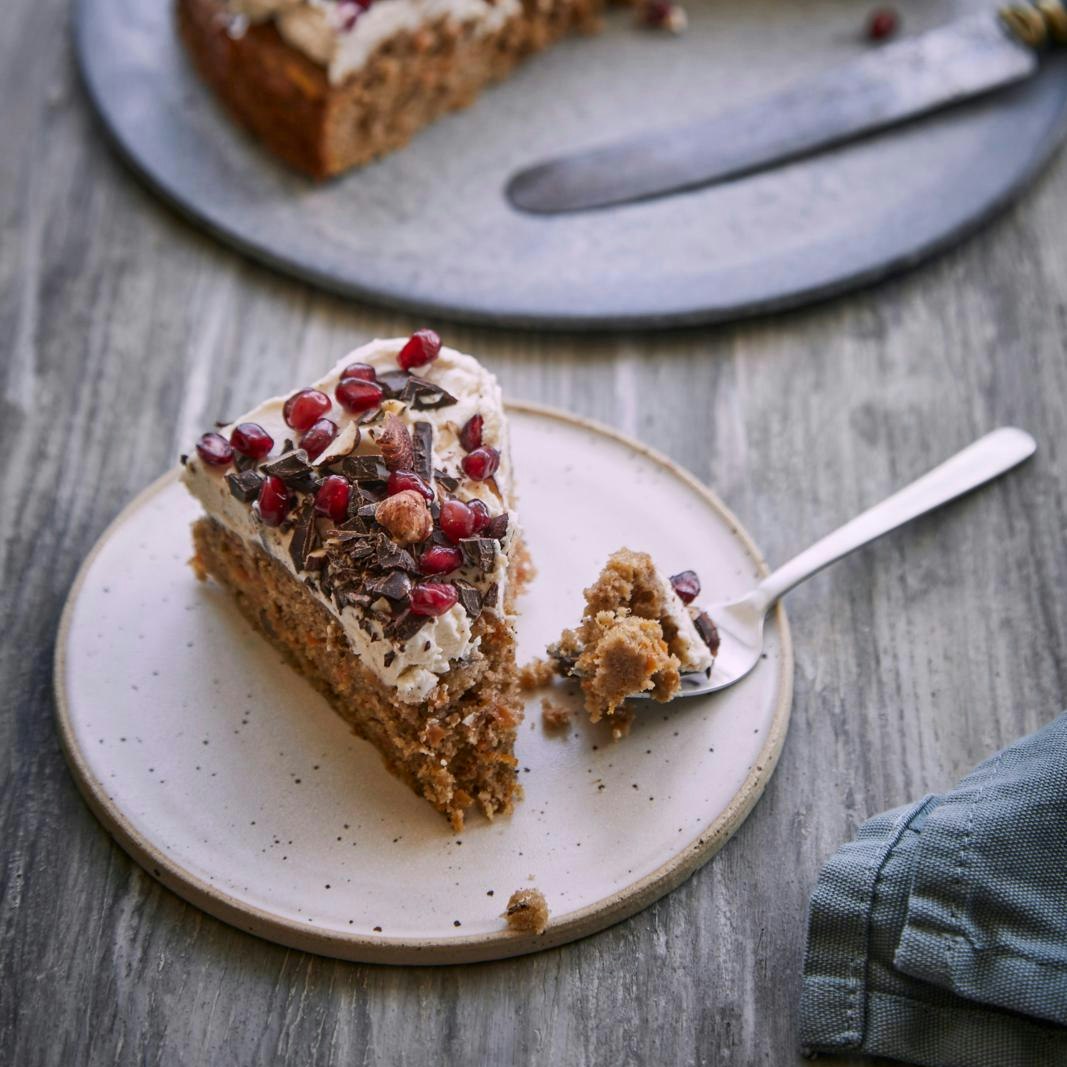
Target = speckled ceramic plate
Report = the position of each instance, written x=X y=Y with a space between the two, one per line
x=428 y=228
x=229 y=779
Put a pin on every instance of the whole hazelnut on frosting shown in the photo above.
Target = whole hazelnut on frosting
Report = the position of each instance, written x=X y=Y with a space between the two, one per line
x=405 y=516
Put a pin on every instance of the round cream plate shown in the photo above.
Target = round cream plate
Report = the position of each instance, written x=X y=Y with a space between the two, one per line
x=229 y=779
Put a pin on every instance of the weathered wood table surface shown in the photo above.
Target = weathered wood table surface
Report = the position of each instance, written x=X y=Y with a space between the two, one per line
x=123 y=331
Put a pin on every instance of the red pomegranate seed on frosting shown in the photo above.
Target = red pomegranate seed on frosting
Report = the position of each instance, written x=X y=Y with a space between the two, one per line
x=275 y=500
x=303 y=408
x=480 y=513
x=422 y=348
x=363 y=371
x=470 y=437
x=440 y=559
x=882 y=24
x=250 y=439
x=318 y=437
x=401 y=480
x=687 y=585
x=356 y=395
x=215 y=450
x=457 y=520
x=433 y=598
x=482 y=463
x=332 y=498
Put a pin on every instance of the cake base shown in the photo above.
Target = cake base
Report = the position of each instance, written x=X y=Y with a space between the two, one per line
x=455 y=749
x=287 y=101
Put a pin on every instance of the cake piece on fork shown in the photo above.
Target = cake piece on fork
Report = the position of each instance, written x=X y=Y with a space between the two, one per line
x=365 y=525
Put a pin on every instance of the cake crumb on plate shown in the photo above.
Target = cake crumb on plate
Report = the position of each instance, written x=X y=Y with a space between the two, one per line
x=527 y=911
x=555 y=716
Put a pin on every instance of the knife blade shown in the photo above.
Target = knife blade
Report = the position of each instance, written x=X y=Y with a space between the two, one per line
x=881 y=88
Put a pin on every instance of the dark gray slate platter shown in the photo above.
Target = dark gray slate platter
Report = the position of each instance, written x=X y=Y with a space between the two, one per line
x=428 y=228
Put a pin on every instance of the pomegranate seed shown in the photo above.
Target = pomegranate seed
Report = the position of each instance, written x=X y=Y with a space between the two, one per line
x=482 y=463
x=303 y=408
x=882 y=24
x=318 y=437
x=422 y=348
x=250 y=439
x=364 y=371
x=215 y=450
x=355 y=394
x=433 y=598
x=457 y=520
x=332 y=498
x=687 y=585
x=401 y=480
x=470 y=437
x=440 y=559
x=275 y=500
x=481 y=515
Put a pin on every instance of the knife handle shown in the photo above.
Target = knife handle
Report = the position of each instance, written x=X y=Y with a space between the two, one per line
x=1038 y=24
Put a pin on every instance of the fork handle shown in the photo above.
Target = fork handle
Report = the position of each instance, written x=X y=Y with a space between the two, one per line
x=987 y=458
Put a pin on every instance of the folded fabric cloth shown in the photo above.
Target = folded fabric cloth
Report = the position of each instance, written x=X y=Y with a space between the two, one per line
x=939 y=936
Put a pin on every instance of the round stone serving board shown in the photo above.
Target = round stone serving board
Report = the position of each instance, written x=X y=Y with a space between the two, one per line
x=229 y=779
x=428 y=228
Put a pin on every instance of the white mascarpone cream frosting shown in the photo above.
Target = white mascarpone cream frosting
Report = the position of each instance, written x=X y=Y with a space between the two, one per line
x=413 y=667
x=693 y=652
x=340 y=35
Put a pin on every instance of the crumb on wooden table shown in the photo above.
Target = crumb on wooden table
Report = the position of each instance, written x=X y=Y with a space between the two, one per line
x=555 y=716
x=527 y=911
x=537 y=673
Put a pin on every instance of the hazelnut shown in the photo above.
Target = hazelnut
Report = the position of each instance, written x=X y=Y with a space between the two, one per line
x=406 y=516
x=394 y=439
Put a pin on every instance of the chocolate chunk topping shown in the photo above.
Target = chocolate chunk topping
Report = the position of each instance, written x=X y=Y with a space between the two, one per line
x=392 y=557
x=479 y=552
x=354 y=524
x=366 y=511
x=708 y=631
x=365 y=469
x=490 y=596
x=425 y=396
x=293 y=469
x=404 y=627
x=395 y=585
x=305 y=535
x=450 y=483
x=245 y=486
x=393 y=382
x=497 y=527
x=244 y=463
x=422 y=442
x=388 y=658
x=469 y=597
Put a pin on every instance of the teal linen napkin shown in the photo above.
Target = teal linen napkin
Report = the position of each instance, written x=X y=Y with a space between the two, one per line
x=939 y=935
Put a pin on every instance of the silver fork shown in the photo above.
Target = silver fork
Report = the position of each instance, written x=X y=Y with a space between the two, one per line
x=740 y=622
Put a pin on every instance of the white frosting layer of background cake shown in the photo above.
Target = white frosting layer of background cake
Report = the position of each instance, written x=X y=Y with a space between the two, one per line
x=317 y=27
x=446 y=639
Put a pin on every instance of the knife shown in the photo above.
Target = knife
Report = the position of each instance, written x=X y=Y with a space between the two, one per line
x=944 y=66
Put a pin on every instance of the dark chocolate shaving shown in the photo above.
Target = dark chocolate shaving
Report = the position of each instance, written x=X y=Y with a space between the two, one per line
x=393 y=382
x=305 y=535
x=365 y=469
x=245 y=486
x=422 y=442
x=708 y=631
x=425 y=396
x=404 y=627
x=450 y=483
x=392 y=557
x=469 y=597
x=497 y=527
x=387 y=659
x=479 y=552
x=395 y=585
x=293 y=469
x=489 y=597
x=244 y=463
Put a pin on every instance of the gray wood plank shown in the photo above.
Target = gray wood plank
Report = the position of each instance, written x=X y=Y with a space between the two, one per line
x=122 y=331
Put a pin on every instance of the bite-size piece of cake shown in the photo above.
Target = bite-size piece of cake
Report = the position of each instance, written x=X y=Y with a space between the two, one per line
x=365 y=525
x=331 y=84
x=638 y=633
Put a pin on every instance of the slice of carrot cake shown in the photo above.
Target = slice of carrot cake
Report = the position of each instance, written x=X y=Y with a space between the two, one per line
x=638 y=633
x=365 y=525
x=331 y=84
